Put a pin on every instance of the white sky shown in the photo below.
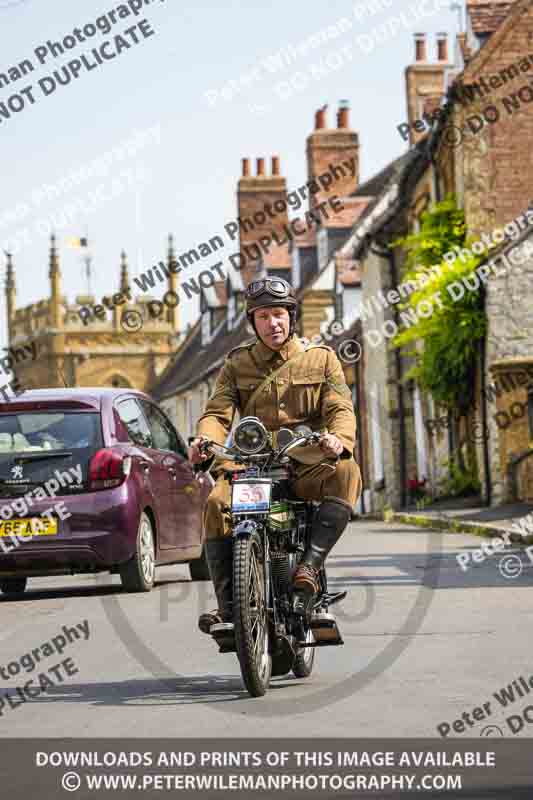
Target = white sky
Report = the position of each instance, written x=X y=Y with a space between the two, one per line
x=188 y=180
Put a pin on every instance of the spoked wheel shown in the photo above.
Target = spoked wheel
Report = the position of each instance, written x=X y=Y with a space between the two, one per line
x=305 y=658
x=250 y=614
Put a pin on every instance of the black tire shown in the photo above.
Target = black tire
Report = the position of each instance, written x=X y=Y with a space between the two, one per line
x=305 y=656
x=250 y=615
x=13 y=587
x=199 y=568
x=305 y=659
x=138 y=574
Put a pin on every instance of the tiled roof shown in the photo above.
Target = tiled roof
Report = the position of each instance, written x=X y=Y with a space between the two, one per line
x=195 y=362
x=375 y=185
x=487 y=15
x=394 y=174
x=216 y=295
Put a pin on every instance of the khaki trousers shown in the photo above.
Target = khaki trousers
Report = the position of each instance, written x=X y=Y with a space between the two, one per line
x=341 y=483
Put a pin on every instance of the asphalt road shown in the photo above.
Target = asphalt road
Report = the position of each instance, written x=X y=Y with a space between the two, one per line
x=424 y=642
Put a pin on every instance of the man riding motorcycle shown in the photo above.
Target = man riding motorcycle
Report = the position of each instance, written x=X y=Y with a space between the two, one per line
x=310 y=390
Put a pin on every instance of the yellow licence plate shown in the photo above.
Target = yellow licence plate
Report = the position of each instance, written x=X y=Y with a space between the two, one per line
x=31 y=526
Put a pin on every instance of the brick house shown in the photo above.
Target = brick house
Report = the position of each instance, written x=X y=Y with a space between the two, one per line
x=490 y=171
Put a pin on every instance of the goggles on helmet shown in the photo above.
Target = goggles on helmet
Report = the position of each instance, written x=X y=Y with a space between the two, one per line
x=274 y=286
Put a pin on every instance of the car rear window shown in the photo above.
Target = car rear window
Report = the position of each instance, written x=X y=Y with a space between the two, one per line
x=32 y=431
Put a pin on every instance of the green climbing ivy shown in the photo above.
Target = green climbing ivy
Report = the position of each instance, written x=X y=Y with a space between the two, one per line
x=445 y=366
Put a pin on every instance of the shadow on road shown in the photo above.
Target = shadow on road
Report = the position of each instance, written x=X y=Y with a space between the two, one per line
x=439 y=571
x=178 y=691
x=98 y=590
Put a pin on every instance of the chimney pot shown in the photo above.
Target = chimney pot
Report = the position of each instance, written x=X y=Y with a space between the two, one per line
x=420 y=47
x=260 y=166
x=275 y=165
x=343 y=117
x=320 y=118
x=245 y=167
x=442 y=46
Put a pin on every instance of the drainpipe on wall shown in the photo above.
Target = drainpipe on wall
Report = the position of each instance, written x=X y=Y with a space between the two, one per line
x=389 y=255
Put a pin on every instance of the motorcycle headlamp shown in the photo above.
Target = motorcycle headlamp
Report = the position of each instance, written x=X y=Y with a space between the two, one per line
x=250 y=436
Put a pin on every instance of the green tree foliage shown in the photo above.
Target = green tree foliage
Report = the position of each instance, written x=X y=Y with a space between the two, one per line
x=445 y=363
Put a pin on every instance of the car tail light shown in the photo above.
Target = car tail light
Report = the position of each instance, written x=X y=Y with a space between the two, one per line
x=108 y=469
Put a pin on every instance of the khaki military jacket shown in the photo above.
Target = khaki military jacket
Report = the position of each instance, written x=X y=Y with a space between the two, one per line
x=312 y=391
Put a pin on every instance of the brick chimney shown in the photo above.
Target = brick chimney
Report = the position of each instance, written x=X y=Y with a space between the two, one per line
x=442 y=47
x=329 y=148
x=424 y=81
x=262 y=211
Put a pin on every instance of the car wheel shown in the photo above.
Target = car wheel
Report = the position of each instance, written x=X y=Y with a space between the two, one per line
x=13 y=587
x=138 y=574
x=199 y=568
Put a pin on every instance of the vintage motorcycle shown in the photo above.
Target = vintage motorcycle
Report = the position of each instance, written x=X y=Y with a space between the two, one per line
x=275 y=630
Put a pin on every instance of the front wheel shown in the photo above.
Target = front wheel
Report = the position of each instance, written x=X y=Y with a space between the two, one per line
x=250 y=614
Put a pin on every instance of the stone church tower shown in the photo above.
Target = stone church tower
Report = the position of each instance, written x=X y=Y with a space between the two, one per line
x=103 y=352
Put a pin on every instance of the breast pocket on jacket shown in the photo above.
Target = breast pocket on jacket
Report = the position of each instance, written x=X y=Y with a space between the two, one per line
x=305 y=389
x=246 y=390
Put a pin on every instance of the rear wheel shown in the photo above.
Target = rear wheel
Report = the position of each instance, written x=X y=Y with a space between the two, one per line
x=13 y=587
x=305 y=658
x=250 y=614
x=138 y=574
x=199 y=569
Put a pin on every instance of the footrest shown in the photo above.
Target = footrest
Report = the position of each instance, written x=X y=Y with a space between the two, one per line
x=224 y=635
x=330 y=598
x=321 y=644
x=325 y=629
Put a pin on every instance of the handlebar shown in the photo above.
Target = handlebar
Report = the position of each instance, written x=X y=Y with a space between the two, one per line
x=208 y=446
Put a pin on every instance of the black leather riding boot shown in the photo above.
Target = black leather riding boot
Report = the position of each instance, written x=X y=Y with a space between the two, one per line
x=328 y=526
x=219 y=555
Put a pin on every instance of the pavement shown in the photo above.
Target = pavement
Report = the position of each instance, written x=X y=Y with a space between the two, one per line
x=425 y=641
x=468 y=515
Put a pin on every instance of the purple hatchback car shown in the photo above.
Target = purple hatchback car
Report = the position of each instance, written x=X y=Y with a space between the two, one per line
x=95 y=480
